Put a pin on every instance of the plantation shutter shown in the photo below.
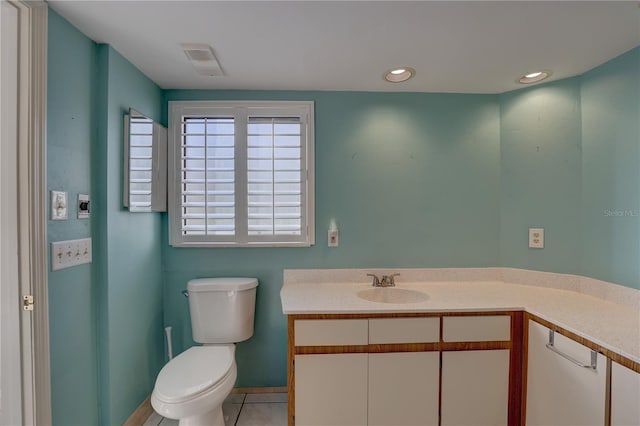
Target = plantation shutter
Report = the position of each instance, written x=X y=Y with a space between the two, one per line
x=274 y=176
x=242 y=174
x=207 y=176
x=140 y=162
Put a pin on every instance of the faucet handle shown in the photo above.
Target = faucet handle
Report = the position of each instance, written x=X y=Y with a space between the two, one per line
x=376 y=280
x=388 y=280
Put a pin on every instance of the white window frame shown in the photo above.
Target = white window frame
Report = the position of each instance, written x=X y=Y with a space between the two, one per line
x=240 y=110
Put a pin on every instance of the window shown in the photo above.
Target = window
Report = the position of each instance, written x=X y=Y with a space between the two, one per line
x=241 y=173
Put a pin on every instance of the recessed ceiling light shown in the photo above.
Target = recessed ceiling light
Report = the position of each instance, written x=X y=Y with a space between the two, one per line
x=534 y=77
x=400 y=74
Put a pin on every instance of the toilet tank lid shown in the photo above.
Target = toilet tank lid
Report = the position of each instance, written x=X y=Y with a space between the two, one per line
x=221 y=284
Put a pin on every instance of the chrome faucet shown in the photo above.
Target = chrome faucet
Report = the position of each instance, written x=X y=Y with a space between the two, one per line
x=385 y=281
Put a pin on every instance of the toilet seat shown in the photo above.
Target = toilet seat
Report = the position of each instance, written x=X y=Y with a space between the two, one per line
x=194 y=372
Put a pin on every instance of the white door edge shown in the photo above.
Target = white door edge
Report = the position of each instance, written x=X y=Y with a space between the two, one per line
x=10 y=356
x=32 y=205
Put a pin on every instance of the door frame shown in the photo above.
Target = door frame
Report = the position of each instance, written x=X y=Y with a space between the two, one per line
x=32 y=205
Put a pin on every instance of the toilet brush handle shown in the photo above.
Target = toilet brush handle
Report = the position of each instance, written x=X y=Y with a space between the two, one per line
x=167 y=330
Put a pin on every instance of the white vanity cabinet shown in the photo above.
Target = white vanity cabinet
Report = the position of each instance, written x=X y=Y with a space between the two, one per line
x=475 y=383
x=435 y=369
x=559 y=390
x=625 y=396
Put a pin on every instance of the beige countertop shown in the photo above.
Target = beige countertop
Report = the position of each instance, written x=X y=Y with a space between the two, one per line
x=604 y=313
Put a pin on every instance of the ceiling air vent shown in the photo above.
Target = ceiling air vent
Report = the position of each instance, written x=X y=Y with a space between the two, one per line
x=202 y=58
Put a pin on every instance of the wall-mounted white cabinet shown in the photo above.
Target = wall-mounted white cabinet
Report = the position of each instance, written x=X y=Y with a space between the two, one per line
x=559 y=391
x=625 y=396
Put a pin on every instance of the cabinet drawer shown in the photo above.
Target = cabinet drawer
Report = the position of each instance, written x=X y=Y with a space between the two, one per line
x=476 y=328
x=404 y=330
x=331 y=332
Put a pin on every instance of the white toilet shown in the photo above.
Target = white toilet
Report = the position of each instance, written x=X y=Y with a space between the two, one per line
x=193 y=385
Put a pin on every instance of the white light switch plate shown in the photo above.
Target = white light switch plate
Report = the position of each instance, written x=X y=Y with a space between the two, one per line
x=59 y=205
x=536 y=237
x=65 y=254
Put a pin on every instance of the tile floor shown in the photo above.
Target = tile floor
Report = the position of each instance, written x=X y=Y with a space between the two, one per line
x=239 y=409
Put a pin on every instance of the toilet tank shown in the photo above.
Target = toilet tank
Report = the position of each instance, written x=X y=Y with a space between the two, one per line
x=222 y=309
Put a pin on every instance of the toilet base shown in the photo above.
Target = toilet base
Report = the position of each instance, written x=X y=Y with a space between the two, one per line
x=210 y=418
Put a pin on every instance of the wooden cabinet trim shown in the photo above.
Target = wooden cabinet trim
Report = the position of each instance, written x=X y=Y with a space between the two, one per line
x=319 y=350
x=402 y=315
x=515 y=369
x=403 y=347
x=291 y=352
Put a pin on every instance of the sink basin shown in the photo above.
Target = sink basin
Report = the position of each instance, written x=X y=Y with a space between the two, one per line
x=392 y=295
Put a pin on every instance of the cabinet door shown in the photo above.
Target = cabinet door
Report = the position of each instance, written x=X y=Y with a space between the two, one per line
x=475 y=388
x=403 y=388
x=331 y=390
x=625 y=396
x=559 y=392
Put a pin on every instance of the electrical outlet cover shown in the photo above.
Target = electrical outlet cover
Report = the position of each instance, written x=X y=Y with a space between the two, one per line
x=536 y=237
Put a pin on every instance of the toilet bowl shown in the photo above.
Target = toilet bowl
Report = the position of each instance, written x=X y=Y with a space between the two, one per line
x=193 y=386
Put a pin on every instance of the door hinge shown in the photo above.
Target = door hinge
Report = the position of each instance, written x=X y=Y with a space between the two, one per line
x=27 y=303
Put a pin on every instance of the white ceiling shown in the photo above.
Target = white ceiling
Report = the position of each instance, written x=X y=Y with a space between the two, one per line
x=455 y=46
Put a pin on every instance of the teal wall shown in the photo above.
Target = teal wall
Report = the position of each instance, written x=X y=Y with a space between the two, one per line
x=130 y=279
x=106 y=317
x=541 y=168
x=610 y=236
x=72 y=292
x=412 y=180
x=570 y=161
